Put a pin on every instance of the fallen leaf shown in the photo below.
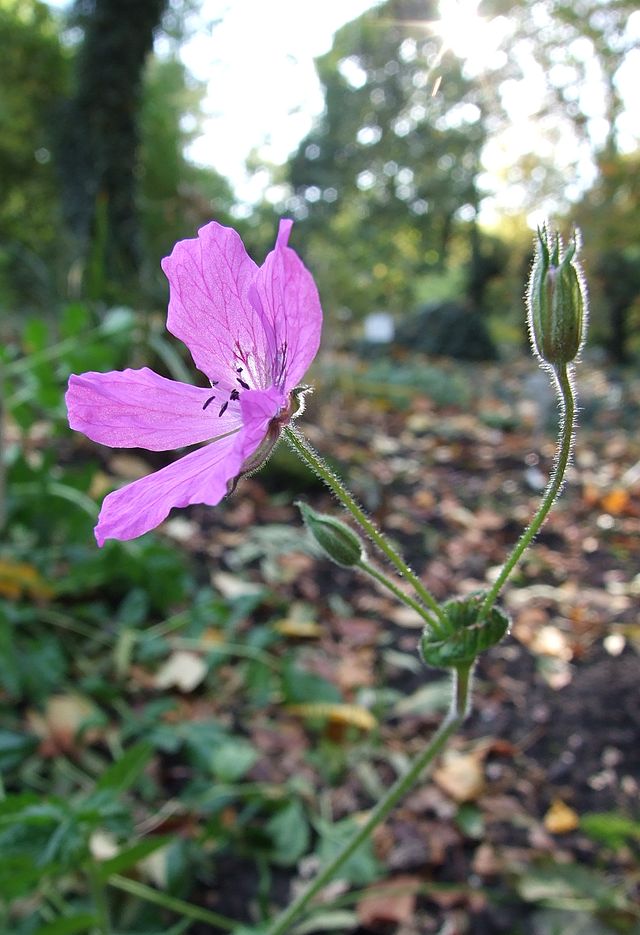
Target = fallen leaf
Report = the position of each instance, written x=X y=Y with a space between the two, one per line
x=18 y=578
x=61 y=721
x=129 y=466
x=560 y=819
x=103 y=845
x=616 y=501
x=343 y=714
x=183 y=670
x=299 y=622
x=550 y=641
x=233 y=586
x=392 y=902
x=461 y=775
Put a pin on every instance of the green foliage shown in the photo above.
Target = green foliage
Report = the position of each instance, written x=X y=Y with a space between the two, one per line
x=33 y=77
x=610 y=828
x=390 y=169
x=177 y=197
x=448 y=329
x=362 y=867
x=607 y=217
x=398 y=381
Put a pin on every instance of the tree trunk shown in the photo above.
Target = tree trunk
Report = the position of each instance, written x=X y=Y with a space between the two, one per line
x=98 y=151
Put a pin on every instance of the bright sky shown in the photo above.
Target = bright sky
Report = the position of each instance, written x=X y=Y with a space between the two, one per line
x=256 y=58
x=263 y=91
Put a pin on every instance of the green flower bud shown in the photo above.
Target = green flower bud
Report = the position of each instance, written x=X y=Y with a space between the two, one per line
x=556 y=300
x=337 y=540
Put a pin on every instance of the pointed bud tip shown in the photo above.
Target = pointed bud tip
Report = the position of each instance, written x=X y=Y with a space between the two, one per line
x=556 y=299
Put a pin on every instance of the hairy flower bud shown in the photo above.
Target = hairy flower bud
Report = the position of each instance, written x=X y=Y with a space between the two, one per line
x=556 y=300
x=337 y=540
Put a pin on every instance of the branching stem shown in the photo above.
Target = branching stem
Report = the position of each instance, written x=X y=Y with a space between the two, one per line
x=565 y=445
x=304 y=450
x=457 y=714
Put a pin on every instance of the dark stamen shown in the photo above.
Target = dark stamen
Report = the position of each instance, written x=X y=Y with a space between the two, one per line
x=223 y=408
x=210 y=400
x=245 y=386
x=235 y=394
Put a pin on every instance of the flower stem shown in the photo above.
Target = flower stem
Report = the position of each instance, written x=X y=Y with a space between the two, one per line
x=390 y=585
x=398 y=790
x=563 y=454
x=302 y=448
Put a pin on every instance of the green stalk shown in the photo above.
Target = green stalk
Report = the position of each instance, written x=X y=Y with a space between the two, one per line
x=398 y=790
x=100 y=900
x=179 y=906
x=390 y=585
x=304 y=450
x=563 y=454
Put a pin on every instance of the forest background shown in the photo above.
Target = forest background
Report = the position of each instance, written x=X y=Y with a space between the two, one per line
x=191 y=721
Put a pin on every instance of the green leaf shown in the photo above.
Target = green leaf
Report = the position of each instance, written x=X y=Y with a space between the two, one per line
x=75 y=320
x=232 y=758
x=130 y=856
x=362 y=867
x=134 y=609
x=15 y=747
x=560 y=884
x=19 y=876
x=470 y=820
x=68 y=925
x=610 y=828
x=301 y=687
x=122 y=774
x=35 y=335
x=289 y=831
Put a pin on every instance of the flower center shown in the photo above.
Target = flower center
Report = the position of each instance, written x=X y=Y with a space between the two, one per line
x=245 y=369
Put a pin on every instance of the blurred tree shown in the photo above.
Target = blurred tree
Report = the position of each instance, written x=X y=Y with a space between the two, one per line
x=584 y=47
x=33 y=73
x=608 y=218
x=577 y=51
x=387 y=178
x=177 y=196
x=98 y=149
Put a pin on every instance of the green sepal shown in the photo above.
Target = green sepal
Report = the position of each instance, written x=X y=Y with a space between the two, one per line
x=466 y=635
x=337 y=540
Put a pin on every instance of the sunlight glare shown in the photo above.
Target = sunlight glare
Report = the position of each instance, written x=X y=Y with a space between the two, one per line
x=472 y=38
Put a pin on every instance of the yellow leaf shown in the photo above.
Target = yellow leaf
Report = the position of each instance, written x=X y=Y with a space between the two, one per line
x=461 y=775
x=616 y=501
x=18 y=578
x=298 y=629
x=560 y=819
x=347 y=714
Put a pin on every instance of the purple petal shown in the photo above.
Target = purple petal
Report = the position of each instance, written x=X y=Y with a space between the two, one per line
x=286 y=300
x=258 y=407
x=199 y=477
x=209 y=310
x=140 y=409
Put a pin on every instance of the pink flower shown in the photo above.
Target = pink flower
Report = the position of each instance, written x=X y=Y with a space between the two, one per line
x=253 y=331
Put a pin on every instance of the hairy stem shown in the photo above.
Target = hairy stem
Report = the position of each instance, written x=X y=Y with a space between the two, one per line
x=304 y=450
x=563 y=454
x=457 y=714
x=390 y=585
